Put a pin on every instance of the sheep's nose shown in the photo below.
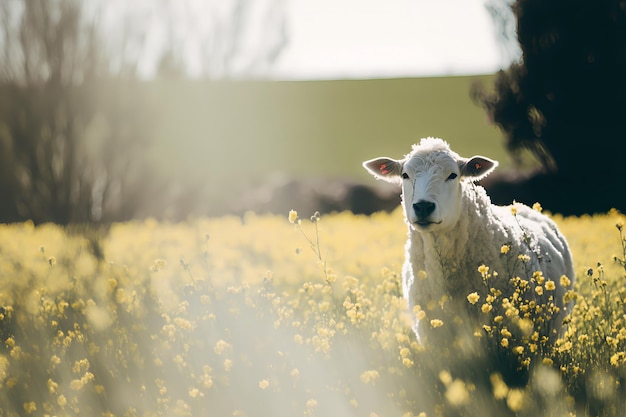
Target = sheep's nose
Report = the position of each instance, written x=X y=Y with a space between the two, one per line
x=423 y=209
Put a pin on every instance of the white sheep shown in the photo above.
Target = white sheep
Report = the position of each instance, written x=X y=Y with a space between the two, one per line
x=454 y=230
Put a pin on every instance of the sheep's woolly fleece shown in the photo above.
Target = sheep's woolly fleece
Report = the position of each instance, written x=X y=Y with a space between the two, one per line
x=444 y=264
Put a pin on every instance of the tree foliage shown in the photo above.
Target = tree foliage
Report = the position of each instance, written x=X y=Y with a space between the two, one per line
x=567 y=95
x=565 y=102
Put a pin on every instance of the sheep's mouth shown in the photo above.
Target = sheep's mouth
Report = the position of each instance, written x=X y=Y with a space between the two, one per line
x=426 y=223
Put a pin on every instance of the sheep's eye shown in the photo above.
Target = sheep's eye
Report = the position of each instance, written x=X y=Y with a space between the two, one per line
x=405 y=175
x=451 y=176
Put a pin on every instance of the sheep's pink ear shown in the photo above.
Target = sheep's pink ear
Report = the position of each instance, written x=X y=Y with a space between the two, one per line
x=384 y=168
x=477 y=167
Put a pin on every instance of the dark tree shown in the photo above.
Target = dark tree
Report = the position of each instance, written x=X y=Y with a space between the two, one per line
x=565 y=101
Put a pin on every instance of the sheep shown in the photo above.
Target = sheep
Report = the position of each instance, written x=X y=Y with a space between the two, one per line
x=462 y=249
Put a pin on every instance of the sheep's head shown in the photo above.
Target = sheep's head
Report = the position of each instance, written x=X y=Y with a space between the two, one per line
x=431 y=177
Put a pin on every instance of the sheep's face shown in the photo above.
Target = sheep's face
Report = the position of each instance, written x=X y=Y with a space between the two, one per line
x=431 y=191
x=431 y=177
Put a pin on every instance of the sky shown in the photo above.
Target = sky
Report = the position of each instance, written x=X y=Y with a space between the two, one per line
x=378 y=38
x=331 y=38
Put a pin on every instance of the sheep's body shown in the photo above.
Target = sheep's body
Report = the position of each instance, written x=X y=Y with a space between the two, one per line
x=454 y=229
x=451 y=261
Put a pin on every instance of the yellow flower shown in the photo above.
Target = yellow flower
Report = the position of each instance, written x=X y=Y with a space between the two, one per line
x=369 y=376
x=565 y=282
x=539 y=290
x=421 y=274
x=52 y=386
x=436 y=323
x=16 y=352
x=537 y=207
x=220 y=346
x=445 y=377
x=565 y=347
x=504 y=249
x=615 y=359
x=77 y=384
x=486 y=308
x=293 y=216
x=504 y=342
x=457 y=393
x=30 y=407
x=550 y=286
x=515 y=399
x=500 y=389
x=526 y=326
x=483 y=269
x=473 y=298
x=513 y=210
x=569 y=296
x=10 y=342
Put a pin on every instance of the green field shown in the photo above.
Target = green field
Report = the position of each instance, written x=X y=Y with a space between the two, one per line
x=231 y=136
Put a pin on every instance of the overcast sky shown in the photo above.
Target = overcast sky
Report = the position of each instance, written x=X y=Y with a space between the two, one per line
x=333 y=38
x=363 y=38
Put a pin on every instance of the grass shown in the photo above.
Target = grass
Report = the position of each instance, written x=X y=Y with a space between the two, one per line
x=234 y=136
x=255 y=316
x=289 y=127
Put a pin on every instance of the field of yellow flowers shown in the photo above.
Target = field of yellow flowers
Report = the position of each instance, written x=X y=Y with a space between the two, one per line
x=280 y=316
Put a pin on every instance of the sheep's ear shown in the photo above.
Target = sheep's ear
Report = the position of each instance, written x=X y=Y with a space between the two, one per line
x=384 y=168
x=477 y=167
